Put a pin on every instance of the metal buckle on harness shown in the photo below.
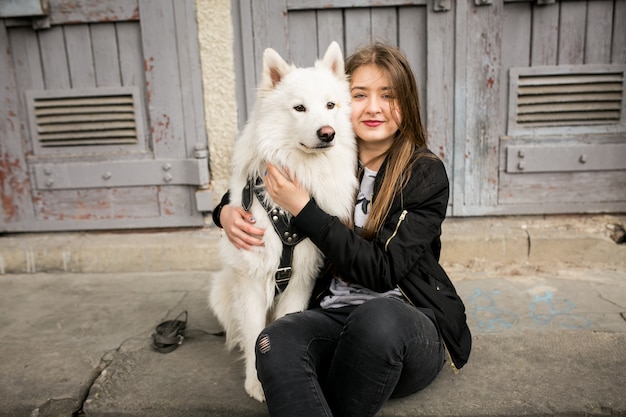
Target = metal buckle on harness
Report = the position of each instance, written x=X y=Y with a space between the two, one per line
x=283 y=274
x=282 y=277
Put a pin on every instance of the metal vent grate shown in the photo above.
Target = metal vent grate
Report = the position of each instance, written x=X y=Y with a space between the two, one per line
x=88 y=120
x=569 y=99
x=85 y=120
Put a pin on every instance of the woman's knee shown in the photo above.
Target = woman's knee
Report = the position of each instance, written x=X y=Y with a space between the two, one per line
x=390 y=322
x=296 y=341
x=378 y=317
x=276 y=340
x=286 y=339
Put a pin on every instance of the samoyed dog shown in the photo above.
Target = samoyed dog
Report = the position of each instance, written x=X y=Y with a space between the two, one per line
x=300 y=122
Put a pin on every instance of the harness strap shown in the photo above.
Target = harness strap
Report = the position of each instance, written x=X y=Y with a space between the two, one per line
x=281 y=221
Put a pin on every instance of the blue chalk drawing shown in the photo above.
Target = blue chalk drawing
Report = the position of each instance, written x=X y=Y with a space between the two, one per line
x=546 y=310
x=490 y=318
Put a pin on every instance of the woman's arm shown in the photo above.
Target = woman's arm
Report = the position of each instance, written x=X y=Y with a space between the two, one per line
x=238 y=225
x=412 y=226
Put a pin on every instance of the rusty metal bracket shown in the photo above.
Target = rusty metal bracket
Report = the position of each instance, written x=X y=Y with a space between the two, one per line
x=442 y=5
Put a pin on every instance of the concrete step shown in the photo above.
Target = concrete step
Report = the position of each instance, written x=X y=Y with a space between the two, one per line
x=576 y=240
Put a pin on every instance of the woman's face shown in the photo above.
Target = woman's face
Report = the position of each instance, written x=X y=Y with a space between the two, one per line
x=372 y=115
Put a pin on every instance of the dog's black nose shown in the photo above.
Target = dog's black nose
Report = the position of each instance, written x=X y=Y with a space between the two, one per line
x=326 y=134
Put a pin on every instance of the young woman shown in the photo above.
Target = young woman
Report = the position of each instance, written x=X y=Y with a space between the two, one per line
x=384 y=313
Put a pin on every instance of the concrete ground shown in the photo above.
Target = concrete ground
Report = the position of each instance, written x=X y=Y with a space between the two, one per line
x=545 y=298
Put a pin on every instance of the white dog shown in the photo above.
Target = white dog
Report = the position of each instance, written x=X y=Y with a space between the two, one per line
x=301 y=122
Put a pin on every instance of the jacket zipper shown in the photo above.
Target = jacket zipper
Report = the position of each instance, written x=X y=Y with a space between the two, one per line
x=395 y=232
x=455 y=370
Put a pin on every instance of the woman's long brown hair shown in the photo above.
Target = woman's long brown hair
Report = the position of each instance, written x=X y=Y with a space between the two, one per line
x=411 y=134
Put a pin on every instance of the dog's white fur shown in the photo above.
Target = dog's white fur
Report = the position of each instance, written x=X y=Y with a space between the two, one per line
x=243 y=293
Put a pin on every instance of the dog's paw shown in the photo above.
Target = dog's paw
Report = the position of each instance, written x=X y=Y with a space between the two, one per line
x=255 y=389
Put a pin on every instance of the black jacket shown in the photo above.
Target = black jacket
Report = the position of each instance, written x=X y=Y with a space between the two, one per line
x=404 y=254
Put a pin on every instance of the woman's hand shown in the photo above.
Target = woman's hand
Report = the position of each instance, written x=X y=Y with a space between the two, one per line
x=238 y=225
x=285 y=191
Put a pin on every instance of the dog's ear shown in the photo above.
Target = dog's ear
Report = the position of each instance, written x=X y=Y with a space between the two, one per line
x=274 y=69
x=333 y=60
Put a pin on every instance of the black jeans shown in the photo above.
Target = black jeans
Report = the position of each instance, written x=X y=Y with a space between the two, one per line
x=347 y=361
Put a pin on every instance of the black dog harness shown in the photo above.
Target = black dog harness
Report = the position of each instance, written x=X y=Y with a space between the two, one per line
x=282 y=224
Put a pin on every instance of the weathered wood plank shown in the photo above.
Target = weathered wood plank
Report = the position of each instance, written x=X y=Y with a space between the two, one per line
x=195 y=97
x=329 y=29
x=269 y=19
x=54 y=59
x=598 y=33
x=302 y=28
x=517 y=31
x=162 y=77
x=460 y=110
x=358 y=28
x=413 y=38
x=618 y=47
x=79 y=56
x=385 y=25
x=571 y=32
x=189 y=67
x=245 y=65
x=15 y=189
x=28 y=74
x=438 y=104
x=484 y=115
x=25 y=52
x=105 y=55
x=131 y=59
x=545 y=35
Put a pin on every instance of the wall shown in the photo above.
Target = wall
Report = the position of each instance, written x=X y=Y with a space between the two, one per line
x=215 y=34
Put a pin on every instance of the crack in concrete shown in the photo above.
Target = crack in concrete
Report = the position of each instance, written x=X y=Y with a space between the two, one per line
x=528 y=246
x=610 y=301
x=106 y=360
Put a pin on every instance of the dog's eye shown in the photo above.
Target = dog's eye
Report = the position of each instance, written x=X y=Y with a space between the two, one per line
x=299 y=108
x=330 y=105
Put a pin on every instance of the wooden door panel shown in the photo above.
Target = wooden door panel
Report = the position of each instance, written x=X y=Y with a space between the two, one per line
x=72 y=78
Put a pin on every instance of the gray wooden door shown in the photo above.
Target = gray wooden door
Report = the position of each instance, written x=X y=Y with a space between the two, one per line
x=101 y=118
x=541 y=110
x=476 y=62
